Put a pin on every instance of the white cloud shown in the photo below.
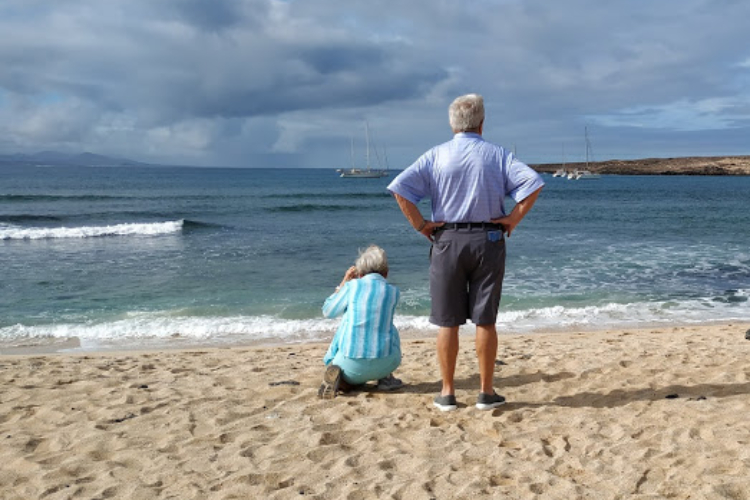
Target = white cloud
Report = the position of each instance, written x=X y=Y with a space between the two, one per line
x=47 y=122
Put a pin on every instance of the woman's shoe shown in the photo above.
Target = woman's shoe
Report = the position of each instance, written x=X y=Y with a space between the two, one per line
x=389 y=383
x=331 y=381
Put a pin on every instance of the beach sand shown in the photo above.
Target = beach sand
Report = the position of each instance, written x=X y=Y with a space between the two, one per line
x=631 y=414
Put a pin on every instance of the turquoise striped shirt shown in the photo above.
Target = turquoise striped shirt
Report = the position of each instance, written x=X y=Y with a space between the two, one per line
x=366 y=331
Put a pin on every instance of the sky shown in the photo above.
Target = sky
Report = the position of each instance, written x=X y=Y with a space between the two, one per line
x=272 y=83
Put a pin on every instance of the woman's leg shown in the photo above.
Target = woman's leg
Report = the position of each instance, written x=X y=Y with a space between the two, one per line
x=357 y=371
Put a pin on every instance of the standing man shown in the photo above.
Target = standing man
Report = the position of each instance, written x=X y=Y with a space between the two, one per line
x=467 y=180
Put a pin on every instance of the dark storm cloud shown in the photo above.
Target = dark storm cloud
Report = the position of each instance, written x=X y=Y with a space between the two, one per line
x=213 y=15
x=161 y=57
x=332 y=59
x=309 y=78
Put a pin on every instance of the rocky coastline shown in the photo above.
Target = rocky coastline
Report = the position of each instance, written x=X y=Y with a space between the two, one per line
x=716 y=165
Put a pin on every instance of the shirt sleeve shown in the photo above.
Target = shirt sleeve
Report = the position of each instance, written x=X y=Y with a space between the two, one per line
x=395 y=338
x=335 y=305
x=333 y=349
x=414 y=182
x=522 y=180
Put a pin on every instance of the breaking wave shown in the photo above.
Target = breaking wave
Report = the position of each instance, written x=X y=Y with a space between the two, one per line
x=12 y=232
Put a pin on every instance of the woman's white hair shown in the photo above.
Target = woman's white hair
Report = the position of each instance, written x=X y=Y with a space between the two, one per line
x=372 y=260
x=466 y=112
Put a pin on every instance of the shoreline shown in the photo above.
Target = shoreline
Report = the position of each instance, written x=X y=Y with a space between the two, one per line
x=72 y=345
x=636 y=413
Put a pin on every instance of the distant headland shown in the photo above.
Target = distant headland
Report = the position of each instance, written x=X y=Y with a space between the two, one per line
x=56 y=158
x=693 y=165
x=710 y=165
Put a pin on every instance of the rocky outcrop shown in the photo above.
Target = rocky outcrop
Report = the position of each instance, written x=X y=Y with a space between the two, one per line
x=718 y=165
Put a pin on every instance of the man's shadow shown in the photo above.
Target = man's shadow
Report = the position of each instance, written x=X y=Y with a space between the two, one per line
x=611 y=399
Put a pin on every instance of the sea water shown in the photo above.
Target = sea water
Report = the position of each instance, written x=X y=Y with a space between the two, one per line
x=163 y=256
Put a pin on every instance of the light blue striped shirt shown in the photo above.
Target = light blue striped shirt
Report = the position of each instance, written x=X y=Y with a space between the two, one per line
x=367 y=329
x=467 y=180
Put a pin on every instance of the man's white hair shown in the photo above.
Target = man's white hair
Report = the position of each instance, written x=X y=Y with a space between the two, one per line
x=372 y=260
x=466 y=112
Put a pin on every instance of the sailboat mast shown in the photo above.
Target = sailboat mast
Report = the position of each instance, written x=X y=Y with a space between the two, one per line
x=586 y=133
x=367 y=142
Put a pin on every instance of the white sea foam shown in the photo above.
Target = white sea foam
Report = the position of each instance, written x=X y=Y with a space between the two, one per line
x=613 y=315
x=139 y=329
x=11 y=232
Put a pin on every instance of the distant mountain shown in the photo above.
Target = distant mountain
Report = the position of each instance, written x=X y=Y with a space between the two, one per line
x=69 y=159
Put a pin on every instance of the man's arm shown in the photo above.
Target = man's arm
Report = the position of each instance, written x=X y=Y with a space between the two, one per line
x=414 y=216
x=519 y=212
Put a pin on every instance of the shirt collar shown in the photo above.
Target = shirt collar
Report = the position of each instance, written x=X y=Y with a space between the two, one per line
x=373 y=276
x=468 y=135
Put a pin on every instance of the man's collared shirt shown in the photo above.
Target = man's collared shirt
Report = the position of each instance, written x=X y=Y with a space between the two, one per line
x=467 y=180
x=367 y=329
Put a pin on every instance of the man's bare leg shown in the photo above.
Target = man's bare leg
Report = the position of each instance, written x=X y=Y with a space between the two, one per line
x=486 y=345
x=447 y=350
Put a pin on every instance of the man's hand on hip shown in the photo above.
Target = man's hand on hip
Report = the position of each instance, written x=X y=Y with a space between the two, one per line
x=429 y=228
x=509 y=223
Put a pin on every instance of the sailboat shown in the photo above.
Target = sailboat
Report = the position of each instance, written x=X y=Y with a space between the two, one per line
x=586 y=174
x=561 y=172
x=363 y=173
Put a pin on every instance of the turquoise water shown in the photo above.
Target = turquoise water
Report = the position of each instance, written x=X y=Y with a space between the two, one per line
x=130 y=257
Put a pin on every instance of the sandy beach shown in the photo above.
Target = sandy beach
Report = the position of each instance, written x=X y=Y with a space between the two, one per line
x=636 y=414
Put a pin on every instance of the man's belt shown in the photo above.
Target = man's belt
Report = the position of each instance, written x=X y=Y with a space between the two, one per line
x=471 y=225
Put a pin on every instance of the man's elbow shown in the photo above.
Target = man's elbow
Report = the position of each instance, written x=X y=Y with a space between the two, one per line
x=534 y=194
x=403 y=202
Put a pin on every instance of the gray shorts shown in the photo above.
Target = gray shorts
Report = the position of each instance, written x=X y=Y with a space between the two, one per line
x=466 y=277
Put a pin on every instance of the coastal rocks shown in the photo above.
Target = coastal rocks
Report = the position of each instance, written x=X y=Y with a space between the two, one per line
x=747 y=335
x=717 y=165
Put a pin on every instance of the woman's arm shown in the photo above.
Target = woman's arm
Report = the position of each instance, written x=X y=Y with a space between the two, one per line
x=336 y=303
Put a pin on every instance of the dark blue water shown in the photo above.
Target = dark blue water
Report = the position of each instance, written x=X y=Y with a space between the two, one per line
x=129 y=256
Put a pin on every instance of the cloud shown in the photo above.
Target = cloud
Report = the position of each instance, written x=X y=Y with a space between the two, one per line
x=51 y=122
x=218 y=82
x=683 y=115
x=169 y=59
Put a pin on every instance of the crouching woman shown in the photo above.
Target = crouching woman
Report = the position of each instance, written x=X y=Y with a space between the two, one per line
x=366 y=345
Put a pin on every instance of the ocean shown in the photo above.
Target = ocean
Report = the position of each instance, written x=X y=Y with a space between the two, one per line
x=153 y=257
